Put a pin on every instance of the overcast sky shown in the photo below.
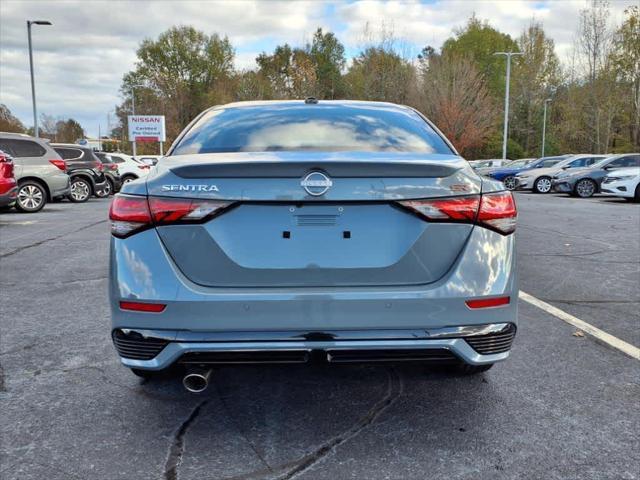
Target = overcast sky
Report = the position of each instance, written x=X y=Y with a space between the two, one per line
x=80 y=60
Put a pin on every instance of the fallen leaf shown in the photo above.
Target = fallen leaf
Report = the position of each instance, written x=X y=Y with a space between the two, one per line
x=578 y=333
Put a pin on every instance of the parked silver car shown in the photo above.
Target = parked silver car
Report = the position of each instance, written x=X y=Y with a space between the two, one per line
x=40 y=171
x=539 y=179
x=286 y=231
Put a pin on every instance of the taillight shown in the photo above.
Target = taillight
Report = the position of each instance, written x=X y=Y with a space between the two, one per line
x=461 y=209
x=143 y=167
x=496 y=211
x=61 y=164
x=100 y=167
x=6 y=166
x=172 y=210
x=130 y=214
x=113 y=166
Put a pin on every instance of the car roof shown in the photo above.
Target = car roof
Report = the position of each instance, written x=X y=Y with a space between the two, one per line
x=302 y=103
x=22 y=136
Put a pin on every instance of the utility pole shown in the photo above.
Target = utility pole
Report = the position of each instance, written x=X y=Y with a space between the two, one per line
x=506 y=101
x=544 y=124
x=33 y=84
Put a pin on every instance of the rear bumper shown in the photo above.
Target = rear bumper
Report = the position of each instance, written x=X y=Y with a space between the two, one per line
x=524 y=183
x=159 y=349
x=9 y=197
x=562 y=187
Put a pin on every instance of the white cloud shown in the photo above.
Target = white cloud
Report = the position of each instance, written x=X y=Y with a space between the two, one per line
x=80 y=60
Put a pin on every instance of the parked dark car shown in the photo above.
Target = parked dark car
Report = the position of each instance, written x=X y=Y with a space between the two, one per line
x=8 y=183
x=585 y=182
x=85 y=169
x=111 y=172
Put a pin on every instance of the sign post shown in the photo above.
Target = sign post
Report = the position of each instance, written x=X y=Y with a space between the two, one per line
x=147 y=128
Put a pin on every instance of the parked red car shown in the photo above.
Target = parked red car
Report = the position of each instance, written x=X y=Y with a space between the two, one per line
x=8 y=184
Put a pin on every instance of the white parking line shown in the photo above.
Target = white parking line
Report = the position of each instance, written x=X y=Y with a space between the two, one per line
x=603 y=336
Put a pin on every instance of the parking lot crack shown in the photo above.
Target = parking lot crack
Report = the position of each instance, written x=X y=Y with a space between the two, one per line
x=240 y=430
x=176 y=451
x=394 y=390
x=51 y=239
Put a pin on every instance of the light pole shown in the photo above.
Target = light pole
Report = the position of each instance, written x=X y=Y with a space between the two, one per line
x=132 y=89
x=506 y=101
x=33 y=85
x=544 y=124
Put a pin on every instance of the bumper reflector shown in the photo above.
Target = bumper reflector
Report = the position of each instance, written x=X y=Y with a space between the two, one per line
x=488 y=302
x=143 y=307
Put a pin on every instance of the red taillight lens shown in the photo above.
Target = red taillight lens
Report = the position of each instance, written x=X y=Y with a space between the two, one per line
x=143 y=307
x=462 y=209
x=488 y=302
x=128 y=214
x=171 y=210
x=143 y=167
x=61 y=164
x=498 y=212
x=100 y=167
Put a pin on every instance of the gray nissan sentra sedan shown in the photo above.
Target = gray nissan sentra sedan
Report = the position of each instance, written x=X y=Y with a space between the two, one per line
x=286 y=231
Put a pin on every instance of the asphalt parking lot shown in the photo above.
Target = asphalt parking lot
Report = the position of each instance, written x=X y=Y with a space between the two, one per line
x=562 y=407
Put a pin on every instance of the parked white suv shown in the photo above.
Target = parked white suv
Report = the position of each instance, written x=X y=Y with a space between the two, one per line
x=130 y=169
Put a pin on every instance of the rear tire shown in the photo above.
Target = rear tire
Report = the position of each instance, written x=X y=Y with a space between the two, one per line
x=80 y=190
x=108 y=190
x=466 y=369
x=636 y=196
x=128 y=178
x=31 y=197
x=509 y=182
x=585 y=188
x=542 y=185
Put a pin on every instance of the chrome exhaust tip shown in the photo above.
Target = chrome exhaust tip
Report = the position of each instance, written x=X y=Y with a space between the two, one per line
x=196 y=381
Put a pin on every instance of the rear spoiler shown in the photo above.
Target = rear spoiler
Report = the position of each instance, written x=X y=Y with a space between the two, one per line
x=336 y=169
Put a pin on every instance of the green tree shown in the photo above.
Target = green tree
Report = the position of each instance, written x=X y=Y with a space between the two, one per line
x=290 y=72
x=184 y=71
x=8 y=122
x=69 y=131
x=626 y=59
x=535 y=77
x=480 y=41
x=380 y=74
x=327 y=54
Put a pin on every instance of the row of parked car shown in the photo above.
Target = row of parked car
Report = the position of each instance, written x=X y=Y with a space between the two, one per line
x=581 y=175
x=34 y=171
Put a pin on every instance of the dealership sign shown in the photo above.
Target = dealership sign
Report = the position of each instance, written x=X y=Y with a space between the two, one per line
x=146 y=128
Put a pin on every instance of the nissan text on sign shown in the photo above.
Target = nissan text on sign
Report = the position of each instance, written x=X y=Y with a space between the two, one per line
x=146 y=128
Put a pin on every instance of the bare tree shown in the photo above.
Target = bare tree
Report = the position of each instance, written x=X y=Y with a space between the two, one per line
x=454 y=95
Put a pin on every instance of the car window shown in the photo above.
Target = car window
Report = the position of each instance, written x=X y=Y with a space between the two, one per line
x=117 y=159
x=104 y=158
x=22 y=148
x=626 y=161
x=69 y=153
x=548 y=163
x=579 y=162
x=300 y=127
x=591 y=160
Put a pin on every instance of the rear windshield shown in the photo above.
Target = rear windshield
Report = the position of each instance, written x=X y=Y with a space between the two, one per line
x=320 y=127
